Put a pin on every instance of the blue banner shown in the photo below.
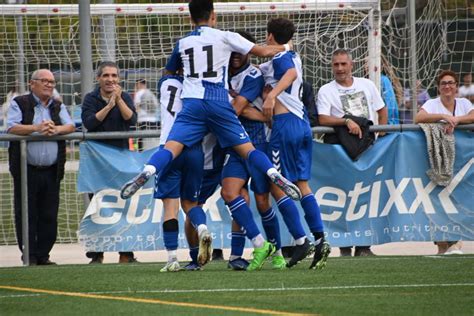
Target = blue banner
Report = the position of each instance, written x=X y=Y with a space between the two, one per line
x=383 y=197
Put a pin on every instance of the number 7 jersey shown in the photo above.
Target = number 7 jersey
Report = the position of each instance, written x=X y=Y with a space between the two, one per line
x=204 y=56
x=169 y=88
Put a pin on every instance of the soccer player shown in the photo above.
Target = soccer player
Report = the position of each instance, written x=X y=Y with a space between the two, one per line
x=181 y=179
x=246 y=85
x=206 y=106
x=291 y=143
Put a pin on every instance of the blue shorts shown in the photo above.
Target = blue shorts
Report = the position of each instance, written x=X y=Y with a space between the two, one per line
x=183 y=177
x=198 y=117
x=237 y=167
x=210 y=182
x=291 y=146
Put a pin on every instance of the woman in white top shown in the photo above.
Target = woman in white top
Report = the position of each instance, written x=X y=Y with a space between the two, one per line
x=453 y=111
x=447 y=108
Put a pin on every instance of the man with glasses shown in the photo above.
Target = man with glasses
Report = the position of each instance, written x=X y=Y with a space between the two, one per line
x=38 y=113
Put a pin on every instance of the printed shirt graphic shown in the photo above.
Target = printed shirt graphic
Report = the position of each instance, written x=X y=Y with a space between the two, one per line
x=248 y=83
x=274 y=70
x=354 y=103
x=170 y=88
x=204 y=55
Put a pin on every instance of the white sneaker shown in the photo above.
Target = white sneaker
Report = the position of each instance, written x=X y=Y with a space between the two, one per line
x=285 y=185
x=172 y=266
x=205 y=248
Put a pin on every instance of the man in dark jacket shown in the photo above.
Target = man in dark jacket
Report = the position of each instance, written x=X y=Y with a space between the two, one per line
x=39 y=114
x=109 y=109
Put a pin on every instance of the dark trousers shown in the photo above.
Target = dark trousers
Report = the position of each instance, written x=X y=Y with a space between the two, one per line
x=43 y=204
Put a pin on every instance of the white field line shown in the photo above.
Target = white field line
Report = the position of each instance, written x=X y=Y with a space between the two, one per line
x=279 y=289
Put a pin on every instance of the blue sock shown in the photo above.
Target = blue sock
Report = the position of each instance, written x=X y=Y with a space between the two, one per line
x=197 y=216
x=271 y=227
x=312 y=213
x=259 y=161
x=290 y=214
x=193 y=253
x=237 y=244
x=243 y=216
x=170 y=234
x=160 y=159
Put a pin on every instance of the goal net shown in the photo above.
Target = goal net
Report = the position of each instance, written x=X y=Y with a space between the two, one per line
x=140 y=37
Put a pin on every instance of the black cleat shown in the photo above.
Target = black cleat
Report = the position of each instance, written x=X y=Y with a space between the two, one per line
x=300 y=252
x=322 y=251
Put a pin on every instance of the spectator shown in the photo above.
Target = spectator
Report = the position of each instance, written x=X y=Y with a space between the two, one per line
x=344 y=101
x=309 y=102
x=467 y=89
x=4 y=110
x=38 y=113
x=406 y=113
x=148 y=112
x=108 y=109
x=452 y=111
x=390 y=100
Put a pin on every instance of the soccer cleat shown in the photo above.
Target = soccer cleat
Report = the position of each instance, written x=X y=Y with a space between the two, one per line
x=278 y=263
x=286 y=186
x=260 y=255
x=238 y=264
x=192 y=266
x=300 y=252
x=322 y=251
x=172 y=266
x=132 y=186
x=205 y=248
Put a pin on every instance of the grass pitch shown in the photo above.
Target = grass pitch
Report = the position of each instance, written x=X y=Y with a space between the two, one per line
x=436 y=285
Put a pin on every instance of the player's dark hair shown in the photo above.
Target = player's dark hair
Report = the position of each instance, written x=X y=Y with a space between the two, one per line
x=104 y=64
x=282 y=30
x=142 y=81
x=246 y=35
x=200 y=10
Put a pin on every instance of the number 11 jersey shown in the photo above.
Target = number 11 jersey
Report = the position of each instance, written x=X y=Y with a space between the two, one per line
x=204 y=56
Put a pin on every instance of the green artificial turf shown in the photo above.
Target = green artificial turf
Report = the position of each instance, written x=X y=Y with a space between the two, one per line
x=437 y=285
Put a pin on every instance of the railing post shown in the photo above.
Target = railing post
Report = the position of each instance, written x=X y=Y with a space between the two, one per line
x=24 y=204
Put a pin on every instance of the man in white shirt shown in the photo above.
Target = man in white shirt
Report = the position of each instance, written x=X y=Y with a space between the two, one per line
x=348 y=95
x=467 y=89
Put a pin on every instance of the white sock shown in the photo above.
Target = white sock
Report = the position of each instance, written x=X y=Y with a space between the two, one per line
x=258 y=241
x=300 y=241
x=278 y=253
x=150 y=168
x=233 y=257
x=172 y=255
x=270 y=171
x=201 y=228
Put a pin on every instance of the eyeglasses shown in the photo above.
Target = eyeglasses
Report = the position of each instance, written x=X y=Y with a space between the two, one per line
x=445 y=83
x=46 y=81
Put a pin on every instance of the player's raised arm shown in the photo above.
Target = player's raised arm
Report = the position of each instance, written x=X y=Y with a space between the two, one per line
x=269 y=50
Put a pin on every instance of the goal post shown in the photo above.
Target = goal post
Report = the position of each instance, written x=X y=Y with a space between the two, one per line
x=376 y=33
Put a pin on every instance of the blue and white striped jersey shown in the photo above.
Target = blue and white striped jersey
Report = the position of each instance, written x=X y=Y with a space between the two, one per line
x=274 y=70
x=249 y=83
x=170 y=88
x=204 y=56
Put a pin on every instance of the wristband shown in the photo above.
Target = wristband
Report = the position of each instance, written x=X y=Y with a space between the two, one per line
x=346 y=121
x=287 y=47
